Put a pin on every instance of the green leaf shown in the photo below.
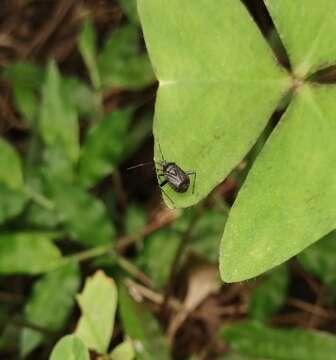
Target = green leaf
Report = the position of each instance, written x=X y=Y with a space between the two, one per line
x=215 y=87
x=140 y=325
x=87 y=46
x=24 y=73
x=138 y=134
x=56 y=167
x=26 y=80
x=38 y=217
x=206 y=234
x=27 y=253
x=120 y=62
x=12 y=203
x=130 y=9
x=10 y=166
x=26 y=103
x=124 y=351
x=49 y=305
x=307 y=35
x=135 y=219
x=267 y=298
x=255 y=339
x=83 y=215
x=58 y=117
x=155 y=262
x=82 y=98
x=103 y=147
x=98 y=303
x=319 y=259
x=70 y=348
x=268 y=224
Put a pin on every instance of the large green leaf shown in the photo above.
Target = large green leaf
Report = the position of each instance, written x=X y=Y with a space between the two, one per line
x=98 y=303
x=103 y=147
x=49 y=305
x=307 y=29
x=288 y=199
x=83 y=215
x=219 y=84
x=255 y=339
x=27 y=253
x=141 y=326
x=58 y=117
x=70 y=348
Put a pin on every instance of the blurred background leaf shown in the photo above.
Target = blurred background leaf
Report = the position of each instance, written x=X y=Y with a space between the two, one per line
x=103 y=147
x=141 y=326
x=255 y=339
x=270 y=295
x=28 y=253
x=58 y=118
x=70 y=347
x=88 y=49
x=84 y=216
x=98 y=303
x=120 y=62
x=49 y=305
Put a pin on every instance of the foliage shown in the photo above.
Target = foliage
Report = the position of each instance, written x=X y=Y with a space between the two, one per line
x=67 y=209
x=285 y=204
x=257 y=340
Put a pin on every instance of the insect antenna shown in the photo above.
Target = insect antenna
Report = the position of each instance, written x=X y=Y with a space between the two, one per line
x=160 y=150
x=140 y=165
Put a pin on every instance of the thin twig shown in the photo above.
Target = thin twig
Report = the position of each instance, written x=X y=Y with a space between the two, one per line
x=134 y=271
x=309 y=308
x=154 y=297
x=60 y=12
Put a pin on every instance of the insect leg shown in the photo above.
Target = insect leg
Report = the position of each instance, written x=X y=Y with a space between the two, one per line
x=189 y=173
x=162 y=184
x=168 y=197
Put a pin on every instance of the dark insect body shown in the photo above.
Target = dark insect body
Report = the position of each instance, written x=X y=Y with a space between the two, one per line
x=174 y=176
x=170 y=173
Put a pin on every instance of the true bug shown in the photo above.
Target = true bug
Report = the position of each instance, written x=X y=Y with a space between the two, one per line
x=172 y=174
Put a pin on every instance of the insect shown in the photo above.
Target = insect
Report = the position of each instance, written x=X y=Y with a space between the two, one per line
x=173 y=175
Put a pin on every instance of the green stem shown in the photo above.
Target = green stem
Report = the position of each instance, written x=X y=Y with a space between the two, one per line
x=39 y=199
x=90 y=253
x=134 y=271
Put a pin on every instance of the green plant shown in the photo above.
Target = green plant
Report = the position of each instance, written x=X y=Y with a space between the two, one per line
x=49 y=216
x=98 y=303
x=219 y=85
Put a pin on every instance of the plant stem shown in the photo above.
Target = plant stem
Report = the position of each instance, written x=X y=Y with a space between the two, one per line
x=134 y=271
x=90 y=253
x=39 y=199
